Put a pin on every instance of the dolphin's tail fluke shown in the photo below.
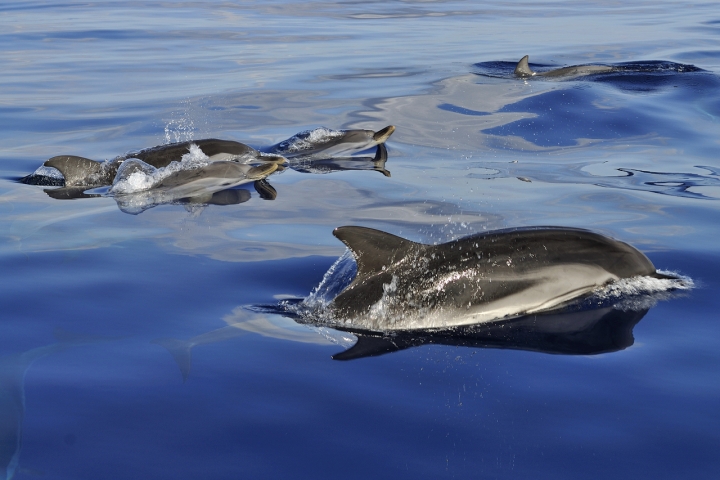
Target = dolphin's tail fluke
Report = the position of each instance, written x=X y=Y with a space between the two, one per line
x=523 y=68
x=76 y=170
x=181 y=351
x=382 y=135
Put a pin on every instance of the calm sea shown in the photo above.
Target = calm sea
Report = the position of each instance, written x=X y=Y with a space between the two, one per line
x=127 y=350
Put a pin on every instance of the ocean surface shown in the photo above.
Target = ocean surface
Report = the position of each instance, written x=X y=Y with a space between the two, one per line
x=136 y=342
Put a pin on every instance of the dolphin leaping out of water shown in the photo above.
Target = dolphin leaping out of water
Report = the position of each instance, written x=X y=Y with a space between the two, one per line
x=403 y=285
x=523 y=70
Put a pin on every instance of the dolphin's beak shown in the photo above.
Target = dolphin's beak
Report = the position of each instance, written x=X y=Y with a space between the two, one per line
x=381 y=135
x=276 y=159
x=262 y=171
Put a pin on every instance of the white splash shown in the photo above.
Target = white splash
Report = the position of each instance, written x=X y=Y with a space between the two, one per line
x=308 y=140
x=640 y=293
x=134 y=175
x=49 y=172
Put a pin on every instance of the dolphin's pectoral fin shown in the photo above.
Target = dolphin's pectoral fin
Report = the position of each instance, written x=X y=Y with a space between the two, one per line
x=523 y=68
x=76 y=170
x=381 y=135
x=181 y=352
x=369 y=346
x=373 y=249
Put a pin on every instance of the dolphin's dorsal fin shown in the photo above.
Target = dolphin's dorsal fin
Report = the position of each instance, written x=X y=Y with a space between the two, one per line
x=373 y=250
x=381 y=135
x=523 y=68
x=75 y=169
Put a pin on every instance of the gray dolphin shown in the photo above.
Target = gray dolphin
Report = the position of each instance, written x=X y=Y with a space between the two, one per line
x=403 y=285
x=325 y=143
x=522 y=70
x=80 y=171
x=198 y=185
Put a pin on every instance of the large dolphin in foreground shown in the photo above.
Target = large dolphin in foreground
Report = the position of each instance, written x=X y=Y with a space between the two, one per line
x=403 y=285
x=523 y=70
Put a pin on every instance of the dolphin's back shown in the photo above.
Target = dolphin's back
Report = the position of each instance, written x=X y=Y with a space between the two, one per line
x=534 y=247
x=522 y=70
x=163 y=155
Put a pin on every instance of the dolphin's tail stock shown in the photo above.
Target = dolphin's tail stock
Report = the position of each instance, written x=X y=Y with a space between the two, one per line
x=181 y=351
x=382 y=135
x=76 y=170
x=523 y=68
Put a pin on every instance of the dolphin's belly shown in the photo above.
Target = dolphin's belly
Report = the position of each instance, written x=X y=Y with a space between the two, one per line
x=548 y=288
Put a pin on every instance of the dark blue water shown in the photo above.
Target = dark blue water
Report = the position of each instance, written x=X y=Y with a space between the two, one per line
x=94 y=299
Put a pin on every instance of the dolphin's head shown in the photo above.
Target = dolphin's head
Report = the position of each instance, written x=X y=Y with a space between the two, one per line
x=382 y=135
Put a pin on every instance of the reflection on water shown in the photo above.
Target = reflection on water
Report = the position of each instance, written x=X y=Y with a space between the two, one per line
x=586 y=332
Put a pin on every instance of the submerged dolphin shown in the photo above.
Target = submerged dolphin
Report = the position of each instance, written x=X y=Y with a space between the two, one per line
x=12 y=395
x=325 y=143
x=403 y=285
x=79 y=171
x=523 y=70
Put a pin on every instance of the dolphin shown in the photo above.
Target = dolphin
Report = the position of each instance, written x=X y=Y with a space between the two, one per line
x=12 y=395
x=80 y=171
x=203 y=185
x=522 y=70
x=403 y=285
x=323 y=143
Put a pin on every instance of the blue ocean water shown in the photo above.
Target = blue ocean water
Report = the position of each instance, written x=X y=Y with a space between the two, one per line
x=94 y=299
